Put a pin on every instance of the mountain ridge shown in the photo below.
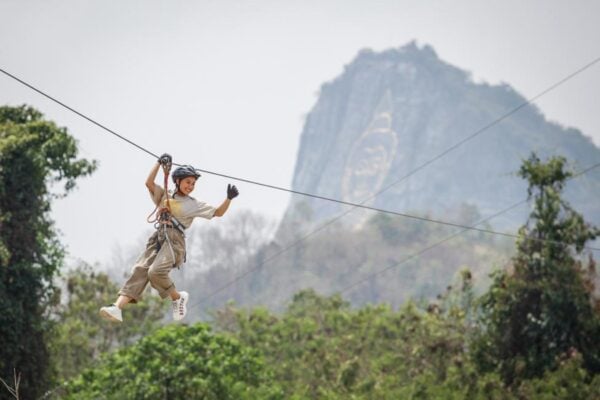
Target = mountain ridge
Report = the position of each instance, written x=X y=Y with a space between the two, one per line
x=428 y=105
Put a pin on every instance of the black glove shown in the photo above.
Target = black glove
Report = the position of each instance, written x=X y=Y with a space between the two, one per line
x=165 y=159
x=232 y=192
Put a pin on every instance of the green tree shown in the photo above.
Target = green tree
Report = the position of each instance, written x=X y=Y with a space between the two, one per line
x=81 y=336
x=322 y=348
x=543 y=308
x=569 y=382
x=34 y=153
x=178 y=362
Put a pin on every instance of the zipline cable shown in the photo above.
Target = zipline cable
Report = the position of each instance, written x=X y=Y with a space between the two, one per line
x=77 y=112
x=234 y=177
x=355 y=205
x=358 y=205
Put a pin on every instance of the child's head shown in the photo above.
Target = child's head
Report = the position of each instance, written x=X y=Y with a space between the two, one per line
x=184 y=178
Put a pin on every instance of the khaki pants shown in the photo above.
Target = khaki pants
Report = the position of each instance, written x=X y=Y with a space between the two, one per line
x=155 y=263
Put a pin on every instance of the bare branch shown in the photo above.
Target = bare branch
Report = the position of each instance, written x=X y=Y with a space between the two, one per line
x=17 y=380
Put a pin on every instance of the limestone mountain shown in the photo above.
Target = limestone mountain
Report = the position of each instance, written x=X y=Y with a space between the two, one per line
x=390 y=113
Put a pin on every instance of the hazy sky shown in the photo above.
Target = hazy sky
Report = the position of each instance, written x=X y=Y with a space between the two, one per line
x=225 y=85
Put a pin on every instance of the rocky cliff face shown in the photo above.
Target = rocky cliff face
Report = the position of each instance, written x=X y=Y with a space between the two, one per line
x=391 y=112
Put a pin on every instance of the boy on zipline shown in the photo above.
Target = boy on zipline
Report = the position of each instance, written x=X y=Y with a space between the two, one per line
x=165 y=249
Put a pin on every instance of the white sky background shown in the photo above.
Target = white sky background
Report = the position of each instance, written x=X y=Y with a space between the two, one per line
x=224 y=85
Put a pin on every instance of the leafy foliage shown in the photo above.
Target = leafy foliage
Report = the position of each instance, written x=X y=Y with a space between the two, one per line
x=321 y=348
x=571 y=381
x=178 y=362
x=544 y=308
x=81 y=336
x=34 y=153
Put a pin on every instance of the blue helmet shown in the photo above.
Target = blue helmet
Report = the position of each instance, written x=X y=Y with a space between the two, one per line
x=184 y=171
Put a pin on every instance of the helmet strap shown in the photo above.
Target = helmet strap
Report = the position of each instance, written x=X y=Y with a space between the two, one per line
x=176 y=191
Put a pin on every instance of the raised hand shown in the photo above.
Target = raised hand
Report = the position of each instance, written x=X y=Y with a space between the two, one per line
x=232 y=192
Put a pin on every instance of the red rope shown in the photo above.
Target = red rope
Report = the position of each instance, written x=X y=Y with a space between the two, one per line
x=161 y=210
x=166 y=170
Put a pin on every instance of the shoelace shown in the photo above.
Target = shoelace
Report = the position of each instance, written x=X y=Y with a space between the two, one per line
x=181 y=307
x=178 y=306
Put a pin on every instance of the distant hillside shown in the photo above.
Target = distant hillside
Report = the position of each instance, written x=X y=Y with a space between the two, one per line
x=377 y=263
x=390 y=112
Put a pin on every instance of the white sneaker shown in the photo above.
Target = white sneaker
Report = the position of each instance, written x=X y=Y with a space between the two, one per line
x=180 y=306
x=111 y=313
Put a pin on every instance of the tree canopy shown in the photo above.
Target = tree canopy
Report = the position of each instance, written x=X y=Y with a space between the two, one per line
x=34 y=154
x=81 y=335
x=543 y=308
x=178 y=362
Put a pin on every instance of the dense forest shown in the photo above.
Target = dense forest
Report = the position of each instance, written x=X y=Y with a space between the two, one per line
x=530 y=331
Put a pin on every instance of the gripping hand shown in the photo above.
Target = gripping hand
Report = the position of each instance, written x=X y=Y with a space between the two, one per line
x=165 y=159
x=232 y=192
